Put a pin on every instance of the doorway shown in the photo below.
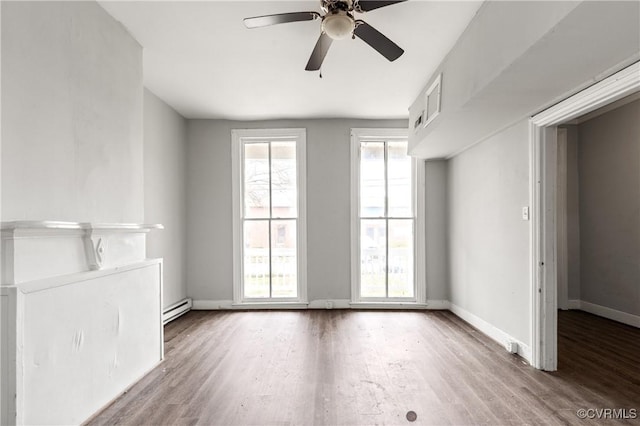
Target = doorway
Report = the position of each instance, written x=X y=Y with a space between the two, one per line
x=544 y=206
x=598 y=205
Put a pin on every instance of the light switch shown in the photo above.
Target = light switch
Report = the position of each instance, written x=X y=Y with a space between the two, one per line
x=525 y=213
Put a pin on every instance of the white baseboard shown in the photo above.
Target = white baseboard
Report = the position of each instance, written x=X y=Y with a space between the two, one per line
x=176 y=310
x=493 y=332
x=269 y=305
x=439 y=305
x=387 y=305
x=230 y=305
x=212 y=305
x=430 y=304
x=573 y=304
x=329 y=304
x=216 y=305
x=612 y=314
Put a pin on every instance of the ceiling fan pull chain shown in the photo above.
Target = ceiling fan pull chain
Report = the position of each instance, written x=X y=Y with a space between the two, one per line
x=320 y=72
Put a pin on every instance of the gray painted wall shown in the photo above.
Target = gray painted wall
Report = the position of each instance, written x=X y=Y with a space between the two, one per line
x=488 y=241
x=436 y=229
x=609 y=168
x=209 y=210
x=165 y=192
x=71 y=114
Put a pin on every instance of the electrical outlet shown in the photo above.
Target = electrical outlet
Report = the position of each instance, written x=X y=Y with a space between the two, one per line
x=525 y=213
x=329 y=304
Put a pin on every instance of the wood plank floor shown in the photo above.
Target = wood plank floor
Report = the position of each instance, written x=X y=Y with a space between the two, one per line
x=372 y=367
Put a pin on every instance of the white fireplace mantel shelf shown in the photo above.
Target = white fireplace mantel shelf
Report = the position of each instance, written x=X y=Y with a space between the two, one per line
x=50 y=224
x=33 y=250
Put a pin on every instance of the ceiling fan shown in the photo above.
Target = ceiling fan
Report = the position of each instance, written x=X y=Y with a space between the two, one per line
x=337 y=23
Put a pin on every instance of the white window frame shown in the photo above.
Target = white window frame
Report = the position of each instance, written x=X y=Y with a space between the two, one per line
x=238 y=138
x=374 y=135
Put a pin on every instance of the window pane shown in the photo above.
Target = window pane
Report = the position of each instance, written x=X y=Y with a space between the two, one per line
x=399 y=175
x=372 y=187
x=373 y=262
x=401 y=258
x=256 y=180
x=284 y=265
x=283 y=179
x=256 y=258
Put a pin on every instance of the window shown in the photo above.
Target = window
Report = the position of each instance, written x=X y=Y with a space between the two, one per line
x=387 y=218
x=269 y=215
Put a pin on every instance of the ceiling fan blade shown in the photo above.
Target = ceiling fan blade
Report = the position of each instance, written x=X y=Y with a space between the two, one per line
x=367 y=5
x=319 y=52
x=281 y=18
x=378 y=41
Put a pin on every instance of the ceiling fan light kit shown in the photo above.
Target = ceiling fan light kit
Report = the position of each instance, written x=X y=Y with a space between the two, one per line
x=338 y=23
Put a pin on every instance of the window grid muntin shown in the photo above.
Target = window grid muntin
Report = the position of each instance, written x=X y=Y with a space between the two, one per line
x=387 y=218
x=263 y=140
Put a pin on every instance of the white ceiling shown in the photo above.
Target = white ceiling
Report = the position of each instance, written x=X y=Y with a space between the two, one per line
x=201 y=60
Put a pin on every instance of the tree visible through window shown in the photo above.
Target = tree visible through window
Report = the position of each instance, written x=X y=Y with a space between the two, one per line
x=270 y=214
x=269 y=237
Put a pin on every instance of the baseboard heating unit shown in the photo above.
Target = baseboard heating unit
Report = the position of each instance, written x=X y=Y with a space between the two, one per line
x=177 y=309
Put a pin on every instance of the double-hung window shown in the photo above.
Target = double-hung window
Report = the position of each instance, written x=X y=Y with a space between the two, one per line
x=387 y=219
x=269 y=212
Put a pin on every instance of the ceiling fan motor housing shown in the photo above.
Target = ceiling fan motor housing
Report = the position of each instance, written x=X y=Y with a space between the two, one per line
x=333 y=5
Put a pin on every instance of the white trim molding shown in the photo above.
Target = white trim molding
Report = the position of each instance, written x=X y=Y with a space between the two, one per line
x=238 y=138
x=389 y=305
x=543 y=168
x=268 y=305
x=621 y=84
x=493 y=332
x=329 y=304
x=212 y=305
x=605 y=312
x=228 y=305
x=573 y=304
x=435 y=90
x=439 y=305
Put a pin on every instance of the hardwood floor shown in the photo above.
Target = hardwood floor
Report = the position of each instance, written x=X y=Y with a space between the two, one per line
x=372 y=367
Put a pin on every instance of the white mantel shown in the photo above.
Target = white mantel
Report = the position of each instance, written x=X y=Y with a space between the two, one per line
x=33 y=250
x=81 y=309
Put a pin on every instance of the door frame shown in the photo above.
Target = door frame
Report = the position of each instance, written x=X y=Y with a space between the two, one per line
x=543 y=150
